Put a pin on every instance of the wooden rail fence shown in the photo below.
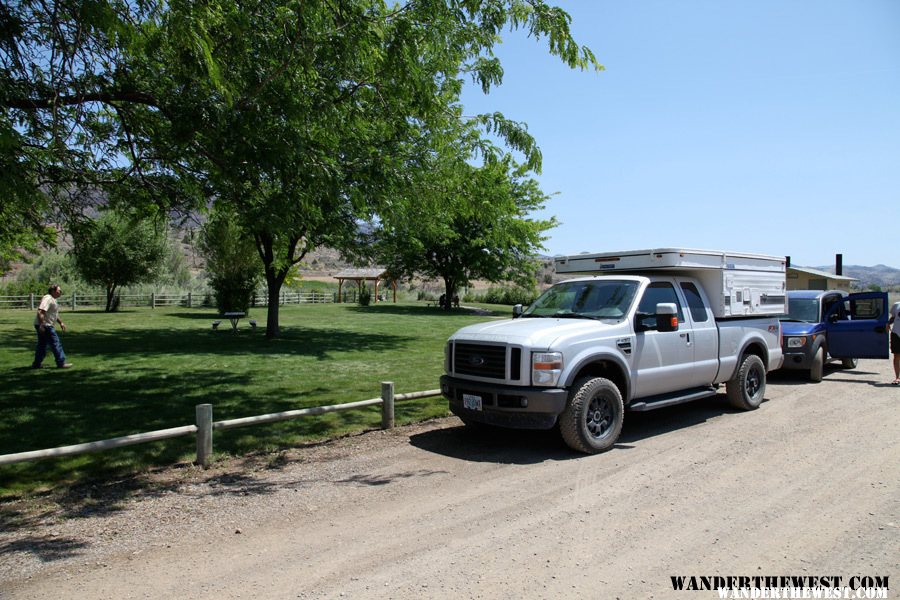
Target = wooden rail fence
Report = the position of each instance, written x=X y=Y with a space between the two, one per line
x=204 y=427
x=74 y=301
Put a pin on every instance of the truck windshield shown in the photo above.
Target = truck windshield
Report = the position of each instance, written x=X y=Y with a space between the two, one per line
x=803 y=309
x=585 y=299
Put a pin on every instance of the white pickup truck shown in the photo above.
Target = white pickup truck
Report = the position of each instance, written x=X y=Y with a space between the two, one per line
x=658 y=328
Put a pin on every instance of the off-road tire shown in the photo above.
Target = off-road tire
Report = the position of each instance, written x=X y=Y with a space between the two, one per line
x=748 y=386
x=592 y=420
x=817 y=367
x=849 y=363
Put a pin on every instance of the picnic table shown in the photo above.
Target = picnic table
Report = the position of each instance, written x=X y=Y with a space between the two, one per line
x=234 y=317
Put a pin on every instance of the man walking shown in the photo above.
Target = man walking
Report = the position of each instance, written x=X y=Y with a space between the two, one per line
x=44 y=324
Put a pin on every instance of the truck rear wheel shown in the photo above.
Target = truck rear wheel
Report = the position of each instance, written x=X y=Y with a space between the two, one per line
x=592 y=420
x=817 y=366
x=748 y=386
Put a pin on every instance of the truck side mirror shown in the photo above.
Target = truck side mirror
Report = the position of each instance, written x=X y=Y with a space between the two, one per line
x=517 y=311
x=666 y=316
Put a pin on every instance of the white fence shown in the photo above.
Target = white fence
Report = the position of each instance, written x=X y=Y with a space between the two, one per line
x=204 y=426
x=75 y=301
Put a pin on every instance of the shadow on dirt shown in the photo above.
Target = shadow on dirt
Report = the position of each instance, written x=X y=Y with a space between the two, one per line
x=522 y=447
x=832 y=372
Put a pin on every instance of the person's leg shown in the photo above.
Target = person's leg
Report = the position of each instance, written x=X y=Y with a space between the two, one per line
x=40 y=350
x=56 y=346
x=895 y=350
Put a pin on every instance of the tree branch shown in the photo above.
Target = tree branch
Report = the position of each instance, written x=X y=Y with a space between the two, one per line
x=76 y=99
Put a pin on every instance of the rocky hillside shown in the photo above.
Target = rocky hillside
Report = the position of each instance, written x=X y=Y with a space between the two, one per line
x=880 y=275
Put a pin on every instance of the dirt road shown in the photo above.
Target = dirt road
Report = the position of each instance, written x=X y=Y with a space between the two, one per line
x=809 y=484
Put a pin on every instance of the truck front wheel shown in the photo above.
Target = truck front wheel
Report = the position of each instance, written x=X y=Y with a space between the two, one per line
x=592 y=420
x=748 y=386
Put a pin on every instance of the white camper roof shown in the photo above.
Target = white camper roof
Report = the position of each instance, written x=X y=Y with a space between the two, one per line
x=668 y=258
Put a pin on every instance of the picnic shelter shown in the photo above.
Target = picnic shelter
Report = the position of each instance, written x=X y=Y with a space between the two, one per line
x=360 y=276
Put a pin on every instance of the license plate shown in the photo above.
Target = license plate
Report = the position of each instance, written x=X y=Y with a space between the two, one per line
x=471 y=401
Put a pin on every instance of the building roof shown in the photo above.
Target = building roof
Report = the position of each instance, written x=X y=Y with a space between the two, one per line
x=822 y=274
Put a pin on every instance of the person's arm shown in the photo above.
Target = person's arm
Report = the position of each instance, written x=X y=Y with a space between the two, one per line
x=61 y=324
x=41 y=317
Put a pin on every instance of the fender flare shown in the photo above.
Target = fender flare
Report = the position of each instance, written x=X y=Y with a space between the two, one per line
x=571 y=373
x=747 y=343
x=821 y=342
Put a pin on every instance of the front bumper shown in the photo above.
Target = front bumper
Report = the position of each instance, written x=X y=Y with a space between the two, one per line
x=797 y=360
x=505 y=405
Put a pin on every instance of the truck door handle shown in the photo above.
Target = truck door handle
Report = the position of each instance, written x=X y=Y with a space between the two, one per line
x=687 y=337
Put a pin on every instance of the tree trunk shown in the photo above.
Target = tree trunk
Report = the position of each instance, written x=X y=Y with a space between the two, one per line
x=273 y=285
x=449 y=292
x=110 y=294
x=265 y=245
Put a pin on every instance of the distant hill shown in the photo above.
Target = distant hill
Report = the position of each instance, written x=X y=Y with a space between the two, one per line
x=880 y=275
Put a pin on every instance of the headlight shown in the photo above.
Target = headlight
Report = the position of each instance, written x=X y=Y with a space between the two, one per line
x=796 y=342
x=545 y=368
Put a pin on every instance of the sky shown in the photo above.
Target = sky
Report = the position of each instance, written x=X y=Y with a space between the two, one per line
x=764 y=126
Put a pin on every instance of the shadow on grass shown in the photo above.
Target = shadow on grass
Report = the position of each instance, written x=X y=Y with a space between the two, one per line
x=319 y=343
x=73 y=407
x=210 y=315
x=128 y=381
x=523 y=447
x=97 y=483
x=413 y=310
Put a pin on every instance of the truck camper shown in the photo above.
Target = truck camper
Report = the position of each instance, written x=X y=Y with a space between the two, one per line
x=635 y=330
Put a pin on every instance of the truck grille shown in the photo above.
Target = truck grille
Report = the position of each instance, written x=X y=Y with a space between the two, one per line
x=480 y=360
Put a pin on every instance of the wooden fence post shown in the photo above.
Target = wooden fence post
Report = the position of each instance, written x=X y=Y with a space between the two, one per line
x=152 y=299
x=204 y=433
x=31 y=300
x=189 y=300
x=387 y=404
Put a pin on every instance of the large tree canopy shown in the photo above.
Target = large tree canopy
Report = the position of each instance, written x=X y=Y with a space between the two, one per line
x=300 y=115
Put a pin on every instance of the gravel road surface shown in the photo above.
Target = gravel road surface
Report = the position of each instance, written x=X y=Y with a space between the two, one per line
x=809 y=484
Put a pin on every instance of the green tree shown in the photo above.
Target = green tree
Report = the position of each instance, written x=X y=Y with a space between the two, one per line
x=117 y=250
x=469 y=223
x=298 y=115
x=231 y=262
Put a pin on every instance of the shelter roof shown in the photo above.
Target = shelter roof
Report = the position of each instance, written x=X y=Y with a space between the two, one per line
x=372 y=273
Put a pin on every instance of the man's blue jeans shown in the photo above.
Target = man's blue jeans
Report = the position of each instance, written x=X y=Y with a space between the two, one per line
x=48 y=337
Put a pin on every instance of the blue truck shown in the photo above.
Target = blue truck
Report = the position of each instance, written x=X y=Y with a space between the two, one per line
x=833 y=325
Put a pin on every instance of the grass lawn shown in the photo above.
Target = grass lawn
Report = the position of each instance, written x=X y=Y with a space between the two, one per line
x=142 y=370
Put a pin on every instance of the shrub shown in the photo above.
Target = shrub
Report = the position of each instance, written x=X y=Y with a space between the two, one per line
x=232 y=263
x=365 y=296
x=508 y=296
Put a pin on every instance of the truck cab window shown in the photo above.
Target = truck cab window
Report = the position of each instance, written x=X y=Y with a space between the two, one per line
x=660 y=291
x=695 y=303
